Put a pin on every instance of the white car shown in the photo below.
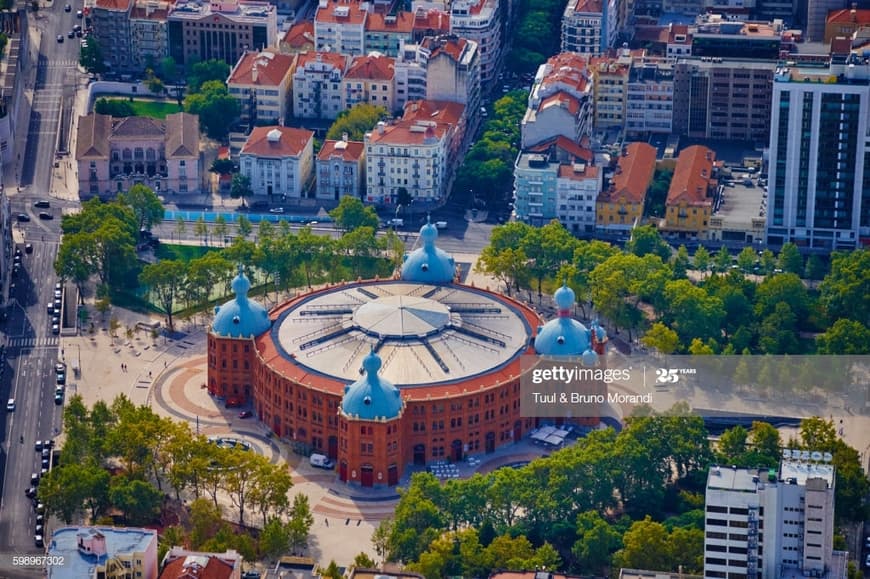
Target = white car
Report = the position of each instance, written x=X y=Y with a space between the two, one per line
x=276 y=210
x=10 y=406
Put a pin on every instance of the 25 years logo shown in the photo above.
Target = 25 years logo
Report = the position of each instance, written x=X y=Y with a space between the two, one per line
x=667 y=376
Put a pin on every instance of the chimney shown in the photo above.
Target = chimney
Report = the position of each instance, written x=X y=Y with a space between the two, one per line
x=254 y=73
x=344 y=137
x=381 y=126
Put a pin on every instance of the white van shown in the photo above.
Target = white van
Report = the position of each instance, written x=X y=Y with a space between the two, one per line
x=321 y=461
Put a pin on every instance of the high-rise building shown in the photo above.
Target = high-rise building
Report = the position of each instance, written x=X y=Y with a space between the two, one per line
x=481 y=21
x=769 y=523
x=820 y=157
x=589 y=26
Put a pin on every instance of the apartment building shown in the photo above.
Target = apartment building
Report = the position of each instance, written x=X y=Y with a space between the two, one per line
x=261 y=81
x=768 y=523
x=317 y=86
x=620 y=204
x=429 y=22
x=103 y=552
x=452 y=70
x=149 y=34
x=819 y=170
x=589 y=26
x=410 y=74
x=371 y=80
x=609 y=88
x=220 y=29
x=689 y=203
x=719 y=37
x=278 y=161
x=560 y=102
x=111 y=22
x=842 y=23
x=340 y=169
x=115 y=154
x=723 y=100
x=557 y=179
x=179 y=563
x=340 y=27
x=649 y=104
x=298 y=38
x=481 y=21
x=384 y=33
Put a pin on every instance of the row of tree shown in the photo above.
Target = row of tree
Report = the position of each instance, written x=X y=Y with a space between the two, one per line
x=648 y=288
x=121 y=457
x=633 y=499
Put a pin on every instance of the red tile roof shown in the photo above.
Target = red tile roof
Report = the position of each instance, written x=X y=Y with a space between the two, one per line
x=570 y=171
x=341 y=13
x=848 y=15
x=676 y=29
x=449 y=45
x=335 y=59
x=347 y=150
x=635 y=170
x=841 y=45
x=434 y=21
x=692 y=177
x=561 y=100
x=567 y=68
x=291 y=142
x=191 y=568
x=401 y=22
x=271 y=67
x=566 y=145
x=438 y=111
x=589 y=6
x=300 y=34
x=119 y=5
x=148 y=11
x=371 y=68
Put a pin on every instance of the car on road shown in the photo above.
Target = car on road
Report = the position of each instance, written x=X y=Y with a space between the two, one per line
x=34 y=479
x=50 y=309
x=77 y=28
x=57 y=294
x=38 y=529
x=10 y=405
x=55 y=329
x=40 y=519
x=28 y=248
x=245 y=414
x=46 y=215
x=276 y=210
x=58 y=398
x=60 y=368
x=40 y=508
x=30 y=492
x=44 y=463
x=24 y=217
x=38 y=541
x=71 y=34
x=55 y=320
x=60 y=38
x=79 y=14
x=42 y=204
x=37 y=446
x=61 y=378
x=67 y=8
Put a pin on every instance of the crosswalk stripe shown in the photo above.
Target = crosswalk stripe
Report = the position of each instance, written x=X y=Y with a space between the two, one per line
x=46 y=342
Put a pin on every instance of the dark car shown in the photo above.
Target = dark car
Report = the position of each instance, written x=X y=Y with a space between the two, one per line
x=67 y=8
x=42 y=204
x=38 y=445
x=232 y=403
x=28 y=248
x=71 y=34
x=23 y=217
x=58 y=398
x=61 y=378
x=45 y=215
x=30 y=492
x=245 y=414
x=34 y=479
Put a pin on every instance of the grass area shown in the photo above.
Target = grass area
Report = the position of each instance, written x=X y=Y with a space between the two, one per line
x=181 y=252
x=153 y=109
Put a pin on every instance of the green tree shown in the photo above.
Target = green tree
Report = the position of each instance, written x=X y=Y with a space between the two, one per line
x=113 y=107
x=768 y=262
x=205 y=71
x=139 y=500
x=815 y=268
x=180 y=227
x=722 y=260
x=363 y=561
x=596 y=542
x=766 y=445
x=275 y=538
x=222 y=166
x=732 y=445
x=646 y=545
x=692 y=312
x=331 y=571
x=200 y=229
x=701 y=260
x=658 y=193
x=699 y=348
x=77 y=260
x=154 y=83
x=790 y=260
x=220 y=227
x=351 y=214
x=786 y=289
x=145 y=204
x=216 y=108
x=845 y=337
x=661 y=338
x=845 y=291
x=746 y=259
x=240 y=188
x=357 y=121
x=680 y=262
x=91 y=56
x=300 y=522
x=165 y=280
x=245 y=227
x=778 y=330
x=647 y=239
x=205 y=522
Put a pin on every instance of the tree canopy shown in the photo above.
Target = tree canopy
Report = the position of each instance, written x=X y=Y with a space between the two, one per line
x=217 y=110
x=357 y=121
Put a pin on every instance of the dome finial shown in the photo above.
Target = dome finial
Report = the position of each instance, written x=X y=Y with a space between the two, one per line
x=241 y=285
x=372 y=364
x=565 y=299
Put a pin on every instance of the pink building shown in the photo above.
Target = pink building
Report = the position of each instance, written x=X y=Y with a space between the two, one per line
x=114 y=154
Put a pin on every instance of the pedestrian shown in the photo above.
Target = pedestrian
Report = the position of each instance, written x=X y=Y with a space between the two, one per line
x=122 y=367
x=149 y=373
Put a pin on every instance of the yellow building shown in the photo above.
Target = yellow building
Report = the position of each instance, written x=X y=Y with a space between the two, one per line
x=621 y=202
x=370 y=79
x=689 y=204
x=609 y=89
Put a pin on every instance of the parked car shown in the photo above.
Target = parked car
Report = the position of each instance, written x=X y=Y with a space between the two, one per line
x=28 y=248
x=45 y=215
x=67 y=8
x=24 y=217
x=60 y=38
x=10 y=405
x=245 y=414
x=42 y=204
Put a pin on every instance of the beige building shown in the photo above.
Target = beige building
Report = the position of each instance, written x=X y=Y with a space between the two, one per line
x=317 y=85
x=609 y=88
x=341 y=169
x=221 y=29
x=149 y=36
x=452 y=70
x=299 y=38
x=560 y=102
x=262 y=84
x=481 y=21
x=278 y=161
x=340 y=27
x=369 y=79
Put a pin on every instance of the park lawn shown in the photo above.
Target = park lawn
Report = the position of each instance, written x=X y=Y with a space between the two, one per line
x=181 y=252
x=153 y=109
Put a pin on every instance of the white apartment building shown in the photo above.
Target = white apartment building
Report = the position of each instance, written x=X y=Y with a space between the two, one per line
x=577 y=187
x=767 y=524
x=149 y=38
x=340 y=169
x=317 y=88
x=411 y=71
x=560 y=102
x=278 y=161
x=340 y=27
x=649 y=103
x=480 y=21
x=453 y=70
x=589 y=26
x=819 y=174
x=262 y=84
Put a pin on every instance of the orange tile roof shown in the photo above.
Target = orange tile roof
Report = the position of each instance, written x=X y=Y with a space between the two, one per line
x=400 y=22
x=348 y=150
x=634 y=172
x=438 y=111
x=120 y=5
x=335 y=59
x=371 y=68
x=692 y=177
x=565 y=144
x=300 y=34
x=561 y=100
x=841 y=45
x=432 y=20
x=409 y=133
x=848 y=15
x=589 y=6
x=567 y=171
x=272 y=68
x=215 y=568
x=676 y=29
x=291 y=143
x=449 y=45
x=334 y=13
x=569 y=69
x=143 y=12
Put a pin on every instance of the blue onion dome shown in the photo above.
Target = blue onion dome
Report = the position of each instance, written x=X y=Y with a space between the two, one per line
x=428 y=264
x=590 y=358
x=240 y=317
x=563 y=336
x=371 y=397
x=600 y=332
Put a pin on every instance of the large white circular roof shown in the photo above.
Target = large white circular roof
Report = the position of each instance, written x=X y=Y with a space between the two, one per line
x=402 y=315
